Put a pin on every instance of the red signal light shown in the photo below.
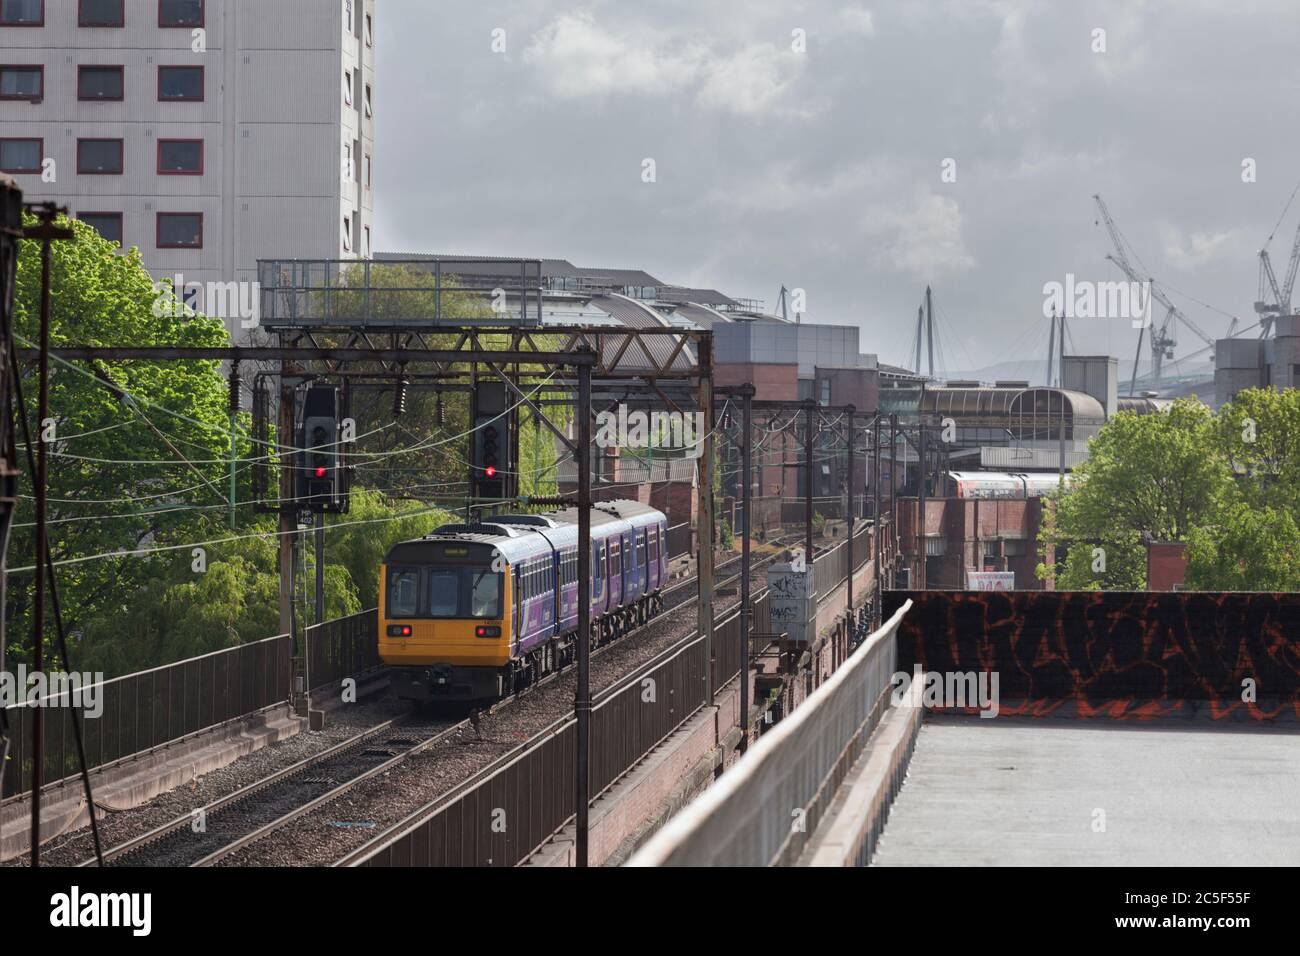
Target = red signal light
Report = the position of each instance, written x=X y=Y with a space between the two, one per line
x=490 y=471
x=320 y=472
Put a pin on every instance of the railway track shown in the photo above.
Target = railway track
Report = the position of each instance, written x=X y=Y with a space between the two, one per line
x=208 y=835
x=204 y=836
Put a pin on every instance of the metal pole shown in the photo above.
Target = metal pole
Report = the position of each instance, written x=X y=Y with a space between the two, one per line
x=746 y=496
x=320 y=568
x=704 y=497
x=850 y=519
x=893 y=491
x=1062 y=377
x=42 y=547
x=920 y=516
x=582 y=695
x=288 y=537
x=875 y=471
x=810 y=412
x=234 y=443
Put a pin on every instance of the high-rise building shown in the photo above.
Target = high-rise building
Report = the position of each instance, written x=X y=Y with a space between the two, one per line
x=207 y=133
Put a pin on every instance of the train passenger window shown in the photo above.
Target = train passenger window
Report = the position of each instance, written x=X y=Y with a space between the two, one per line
x=444 y=593
x=403 y=593
x=484 y=594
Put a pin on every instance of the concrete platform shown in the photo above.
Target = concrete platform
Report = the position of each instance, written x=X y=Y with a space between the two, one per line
x=1027 y=792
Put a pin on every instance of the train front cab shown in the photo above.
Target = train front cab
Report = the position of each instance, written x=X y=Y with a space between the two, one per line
x=445 y=622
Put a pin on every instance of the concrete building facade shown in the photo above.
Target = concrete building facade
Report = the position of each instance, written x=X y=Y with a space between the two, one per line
x=1273 y=362
x=209 y=134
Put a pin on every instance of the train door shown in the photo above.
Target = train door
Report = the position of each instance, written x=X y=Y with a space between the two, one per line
x=598 y=576
x=615 y=571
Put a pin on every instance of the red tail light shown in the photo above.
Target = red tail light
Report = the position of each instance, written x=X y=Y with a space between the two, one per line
x=482 y=631
x=399 y=630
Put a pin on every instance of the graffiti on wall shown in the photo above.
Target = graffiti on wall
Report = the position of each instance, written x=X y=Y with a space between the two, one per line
x=1114 y=654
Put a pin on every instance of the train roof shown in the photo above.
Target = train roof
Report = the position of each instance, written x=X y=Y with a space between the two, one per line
x=518 y=537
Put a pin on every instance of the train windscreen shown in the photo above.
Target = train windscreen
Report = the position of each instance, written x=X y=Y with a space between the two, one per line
x=444 y=593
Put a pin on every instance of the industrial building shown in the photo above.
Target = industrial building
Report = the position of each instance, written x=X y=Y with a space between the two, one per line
x=1272 y=362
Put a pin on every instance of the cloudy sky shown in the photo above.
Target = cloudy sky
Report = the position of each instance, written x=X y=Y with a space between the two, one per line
x=804 y=144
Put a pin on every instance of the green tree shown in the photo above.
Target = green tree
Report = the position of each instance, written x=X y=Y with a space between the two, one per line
x=1259 y=434
x=115 y=483
x=1249 y=548
x=1146 y=475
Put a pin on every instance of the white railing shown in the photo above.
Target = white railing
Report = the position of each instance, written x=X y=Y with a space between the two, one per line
x=761 y=811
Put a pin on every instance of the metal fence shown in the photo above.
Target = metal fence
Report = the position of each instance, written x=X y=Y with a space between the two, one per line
x=345 y=647
x=762 y=810
x=680 y=540
x=139 y=712
x=395 y=293
x=502 y=817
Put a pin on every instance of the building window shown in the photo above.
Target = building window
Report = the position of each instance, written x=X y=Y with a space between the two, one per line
x=99 y=157
x=100 y=82
x=365 y=248
x=107 y=224
x=21 y=155
x=347 y=234
x=22 y=83
x=180 y=13
x=347 y=87
x=180 y=83
x=370 y=31
x=22 y=13
x=370 y=110
x=180 y=157
x=180 y=230
x=347 y=161
x=101 y=13
x=367 y=170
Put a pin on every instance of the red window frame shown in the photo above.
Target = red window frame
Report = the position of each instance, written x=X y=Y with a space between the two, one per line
x=121 y=145
x=39 y=23
x=203 y=83
x=121 y=17
x=121 y=70
x=25 y=139
x=203 y=18
x=181 y=172
x=158 y=230
x=81 y=217
x=39 y=67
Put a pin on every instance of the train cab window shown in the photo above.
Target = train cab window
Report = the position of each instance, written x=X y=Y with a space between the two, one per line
x=484 y=594
x=444 y=593
x=403 y=593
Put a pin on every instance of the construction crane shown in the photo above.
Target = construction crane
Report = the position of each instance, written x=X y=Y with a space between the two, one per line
x=1163 y=342
x=1281 y=303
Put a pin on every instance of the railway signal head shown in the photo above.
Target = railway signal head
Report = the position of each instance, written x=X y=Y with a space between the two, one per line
x=319 y=485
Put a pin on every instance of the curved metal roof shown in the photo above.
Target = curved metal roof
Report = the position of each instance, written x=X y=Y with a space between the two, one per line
x=1009 y=403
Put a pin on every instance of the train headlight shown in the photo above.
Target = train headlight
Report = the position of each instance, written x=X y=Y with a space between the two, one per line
x=483 y=631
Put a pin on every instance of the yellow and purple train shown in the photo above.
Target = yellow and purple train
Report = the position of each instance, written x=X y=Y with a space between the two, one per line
x=477 y=612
